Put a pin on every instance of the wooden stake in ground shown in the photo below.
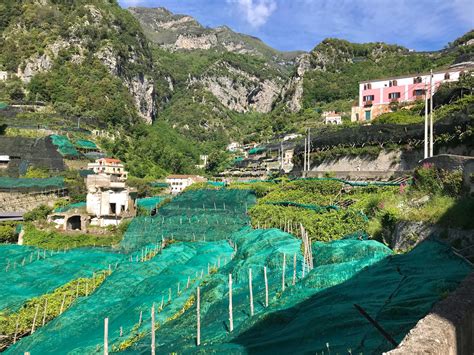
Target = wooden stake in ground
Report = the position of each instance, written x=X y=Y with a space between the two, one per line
x=294 y=269
x=198 y=315
x=266 y=285
x=34 y=319
x=106 y=336
x=251 y=292
x=16 y=329
x=140 y=319
x=44 y=311
x=231 y=318
x=283 y=273
x=153 y=330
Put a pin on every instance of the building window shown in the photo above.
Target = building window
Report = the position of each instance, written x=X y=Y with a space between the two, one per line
x=367 y=86
x=418 y=92
x=392 y=83
x=369 y=98
x=417 y=80
x=394 y=95
x=446 y=76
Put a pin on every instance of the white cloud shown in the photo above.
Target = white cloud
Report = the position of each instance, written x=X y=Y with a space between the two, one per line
x=256 y=12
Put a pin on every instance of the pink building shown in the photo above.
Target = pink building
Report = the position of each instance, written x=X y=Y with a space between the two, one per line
x=375 y=96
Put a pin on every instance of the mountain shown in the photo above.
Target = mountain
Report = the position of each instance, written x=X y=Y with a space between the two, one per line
x=175 y=32
x=333 y=69
x=53 y=47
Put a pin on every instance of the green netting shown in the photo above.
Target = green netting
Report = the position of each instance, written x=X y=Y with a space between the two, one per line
x=316 y=208
x=3 y=105
x=397 y=290
x=8 y=183
x=85 y=144
x=70 y=207
x=203 y=215
x=132 y=288
x=217 y=183
x=256 y=150
x=159 y=184
x=64 y=146
x=27 y=272
x=150 y=202
x=361 y=183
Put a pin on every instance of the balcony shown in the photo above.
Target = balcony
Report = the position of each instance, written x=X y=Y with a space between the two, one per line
x=368 y=103
x=394 y=100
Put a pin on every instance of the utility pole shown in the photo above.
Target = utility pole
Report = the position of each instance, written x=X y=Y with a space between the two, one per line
x=431 y=113
x=426 y=122
x=304 y=157
x=308 y=168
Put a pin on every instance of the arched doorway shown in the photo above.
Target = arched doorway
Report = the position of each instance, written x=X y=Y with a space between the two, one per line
x=73 y=223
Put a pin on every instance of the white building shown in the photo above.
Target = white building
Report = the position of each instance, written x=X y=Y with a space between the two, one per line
x=291 y=136
x=109 y=166
x=178 y=183
x=3 y=75
x=108 y=200
x=203 y=161
x=4 y=160
x=332 y=117
x=233 y=146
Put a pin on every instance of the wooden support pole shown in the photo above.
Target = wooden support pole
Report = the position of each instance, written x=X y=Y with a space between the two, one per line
x=294 y=269
x=198 y=315
x=34 y=319
x=231 y=318
x=106 y=336
x=283 y=273
x=140 y=319
x=16 y=329
x=266 y=285
x=251 y=292
x=44 y=311
x=153 y=330
x=169 y=294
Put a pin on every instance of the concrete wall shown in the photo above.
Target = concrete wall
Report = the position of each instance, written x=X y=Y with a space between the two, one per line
x=386 y=164
x=448 y=329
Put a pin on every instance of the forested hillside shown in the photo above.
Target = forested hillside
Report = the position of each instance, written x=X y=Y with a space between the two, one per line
x=93 y=61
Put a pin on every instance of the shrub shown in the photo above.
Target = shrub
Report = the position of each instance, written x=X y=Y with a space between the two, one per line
x=38 y=214
x=7 y=232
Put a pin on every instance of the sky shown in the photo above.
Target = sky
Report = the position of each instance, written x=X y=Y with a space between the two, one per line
x=301 y=24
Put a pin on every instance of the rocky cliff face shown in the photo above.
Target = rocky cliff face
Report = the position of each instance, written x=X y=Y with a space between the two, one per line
x=182 y=32
x=91 y=30
x=238 y=90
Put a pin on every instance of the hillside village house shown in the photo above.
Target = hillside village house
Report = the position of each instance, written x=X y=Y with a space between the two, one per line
x=3 y=75
x=178 y=183
x=376 y=96
x=109 y=166
x=331 y=117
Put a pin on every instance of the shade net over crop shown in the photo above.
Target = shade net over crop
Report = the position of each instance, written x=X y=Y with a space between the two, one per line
x=132 y=288
x=28 y=272
x=9 y=183
x=64 y=146
x=314 y=311
x=199 y=215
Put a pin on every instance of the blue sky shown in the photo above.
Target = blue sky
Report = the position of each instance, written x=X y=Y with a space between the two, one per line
x=301 y=24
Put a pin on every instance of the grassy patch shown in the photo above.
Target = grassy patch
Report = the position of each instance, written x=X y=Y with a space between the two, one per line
x=53 y=240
